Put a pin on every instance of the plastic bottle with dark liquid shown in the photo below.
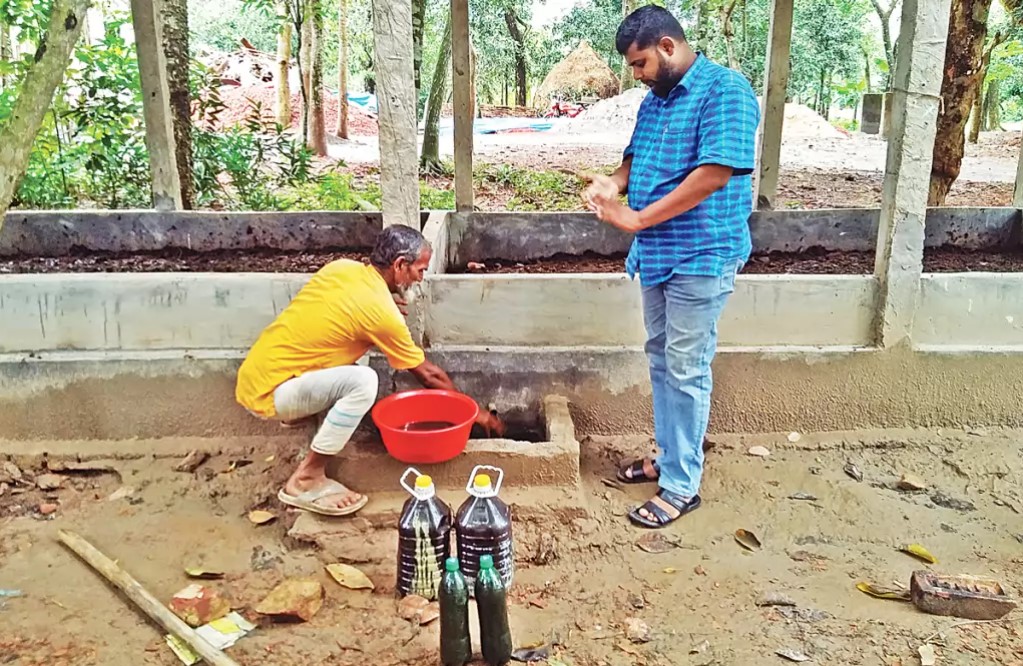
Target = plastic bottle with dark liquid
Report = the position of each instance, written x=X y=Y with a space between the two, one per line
x=455 y=643
x=492 y=606
x=483 y=525
x=424 y=538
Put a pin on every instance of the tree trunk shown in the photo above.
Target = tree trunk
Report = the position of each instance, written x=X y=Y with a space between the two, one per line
x=175 y=48
x=967 y=32
x=317 y=139
x=282 y=110
x=511 y=19
x=5 y=50
x=885 y=14
x=342 y=71
x=625 y=79
x=728 y=31
x=977 y=112
x=305 y=62
x=18 y=132
x=430 y=159
x=866 y=71
x=992 y=108
x=703 y=26
x=418 y=30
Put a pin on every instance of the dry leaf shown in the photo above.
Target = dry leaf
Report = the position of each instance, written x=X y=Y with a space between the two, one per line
x=853 y=471
x=927 y=656
x=792 y=655
x=203 y=574
x=430 y=613
x=294 y=598
x=747 y=540
x=759 y=451
x=919 y=552
x=349 y=576
x=261 y=517
x=412 y=606
x=882 y=592
x=656 y=543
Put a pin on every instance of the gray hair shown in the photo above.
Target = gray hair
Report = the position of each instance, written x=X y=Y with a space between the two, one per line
x=397 y=241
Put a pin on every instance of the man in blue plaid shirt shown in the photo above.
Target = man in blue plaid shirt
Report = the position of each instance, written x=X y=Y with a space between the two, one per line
x=687 y=175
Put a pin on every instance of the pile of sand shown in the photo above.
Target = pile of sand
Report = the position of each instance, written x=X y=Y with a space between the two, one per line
x=618 y=114
x=238 y=101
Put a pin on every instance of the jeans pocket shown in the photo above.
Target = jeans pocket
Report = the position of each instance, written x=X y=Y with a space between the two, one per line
x=728 y=278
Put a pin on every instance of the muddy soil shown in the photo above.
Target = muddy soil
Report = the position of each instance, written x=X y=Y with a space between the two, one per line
x=813 y=262
x=263 y=260
x=698 y=599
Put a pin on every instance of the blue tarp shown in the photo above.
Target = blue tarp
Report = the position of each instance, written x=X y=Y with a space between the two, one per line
x=495 y=125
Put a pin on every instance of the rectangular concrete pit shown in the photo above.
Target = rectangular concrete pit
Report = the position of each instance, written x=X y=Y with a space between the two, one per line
x=553 y=463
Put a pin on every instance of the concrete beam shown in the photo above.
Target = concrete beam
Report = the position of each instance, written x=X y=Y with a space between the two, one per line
x=396 y=89
x=605 y=310
x=147 y=20
x=57 y=233
x=1017 y=196
x=900 y=242
x=776 y=78
x=464 y=104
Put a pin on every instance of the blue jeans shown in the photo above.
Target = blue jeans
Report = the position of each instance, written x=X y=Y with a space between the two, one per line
x=681 y=317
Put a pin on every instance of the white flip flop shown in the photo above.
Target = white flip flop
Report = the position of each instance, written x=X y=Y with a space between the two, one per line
x=307 y=500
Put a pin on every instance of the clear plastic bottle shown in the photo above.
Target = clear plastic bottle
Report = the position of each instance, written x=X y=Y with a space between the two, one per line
x=424 y=538
x=483 y=525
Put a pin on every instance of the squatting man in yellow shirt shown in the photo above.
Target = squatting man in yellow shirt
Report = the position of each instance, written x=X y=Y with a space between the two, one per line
x=303 y=364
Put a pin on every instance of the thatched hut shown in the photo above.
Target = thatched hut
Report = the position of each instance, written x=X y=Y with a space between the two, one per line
x=582 y=74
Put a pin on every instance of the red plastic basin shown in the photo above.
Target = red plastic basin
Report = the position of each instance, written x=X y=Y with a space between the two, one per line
x=425 y=447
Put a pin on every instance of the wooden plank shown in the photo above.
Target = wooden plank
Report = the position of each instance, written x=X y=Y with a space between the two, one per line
x=463 y=103
x=396 y=91
x=776 y=74
x=900 y=239
x=147 y=20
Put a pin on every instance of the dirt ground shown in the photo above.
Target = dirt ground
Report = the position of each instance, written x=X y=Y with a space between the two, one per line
x=698 y=599
x=812 y=262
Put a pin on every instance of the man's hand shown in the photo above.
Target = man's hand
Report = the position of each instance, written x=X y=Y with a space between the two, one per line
x=599 y=186
x=491 y=423
x=615 y=213
x=401 y=303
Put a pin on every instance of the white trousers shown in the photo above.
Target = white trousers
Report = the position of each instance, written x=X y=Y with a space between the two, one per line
x=345 y=393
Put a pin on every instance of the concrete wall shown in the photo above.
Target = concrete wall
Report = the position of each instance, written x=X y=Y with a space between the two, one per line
x=573 y=310
x=970 y=310
x=527 y=236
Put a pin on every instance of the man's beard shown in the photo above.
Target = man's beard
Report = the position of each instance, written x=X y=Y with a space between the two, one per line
x=667 y=77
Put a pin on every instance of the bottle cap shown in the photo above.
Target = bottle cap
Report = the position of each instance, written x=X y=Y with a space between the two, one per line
x=451 y=564
x=486 y=561
x=481 y=481
x=423 y=481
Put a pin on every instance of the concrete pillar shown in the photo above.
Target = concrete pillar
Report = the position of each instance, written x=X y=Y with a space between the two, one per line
x=462 y=91
x=1017 y=196
x=900 y=239
x=886 y=116
x=776 y=83
x=870 y=117
x=147 y=20
x=396 y=94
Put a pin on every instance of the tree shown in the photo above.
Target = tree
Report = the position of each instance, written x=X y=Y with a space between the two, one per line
x=282 y=109
x=342 y=70
x=429 y=160
x=418 y=30
x=5 y=50
x=52 y=57
x=885 y=14
x=515 y=29
x=979 y=119
x=316 y=139
x=725 y=11
x=626 y=79
x=967 y=32
x=175 y=48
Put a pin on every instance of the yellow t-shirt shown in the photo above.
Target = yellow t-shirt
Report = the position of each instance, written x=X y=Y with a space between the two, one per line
x=345 y=309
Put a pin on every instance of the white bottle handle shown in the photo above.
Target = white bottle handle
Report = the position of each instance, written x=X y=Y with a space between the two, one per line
x=404 y=476
x=472 y=477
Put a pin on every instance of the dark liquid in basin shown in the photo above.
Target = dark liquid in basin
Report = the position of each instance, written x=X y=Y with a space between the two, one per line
x=426 y=426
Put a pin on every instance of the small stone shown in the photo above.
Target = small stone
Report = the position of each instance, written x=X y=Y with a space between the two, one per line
x=295 y=598
x=121 y=493
x=198 y=604
x=49 y=481
x=911 y=482
x=794 y=437
x=192 y=461
x=759 y=451
x=775 y=599
x=412 y=607
x=46 y=508
x=10 y=473
x=3 y=489
x=699 y=570
x=636 y=630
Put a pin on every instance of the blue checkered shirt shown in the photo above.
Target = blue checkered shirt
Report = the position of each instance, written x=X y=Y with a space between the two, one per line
x=710 y=117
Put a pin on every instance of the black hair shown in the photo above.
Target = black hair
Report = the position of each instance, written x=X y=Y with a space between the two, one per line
x=645 y=27
x=394 y=242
